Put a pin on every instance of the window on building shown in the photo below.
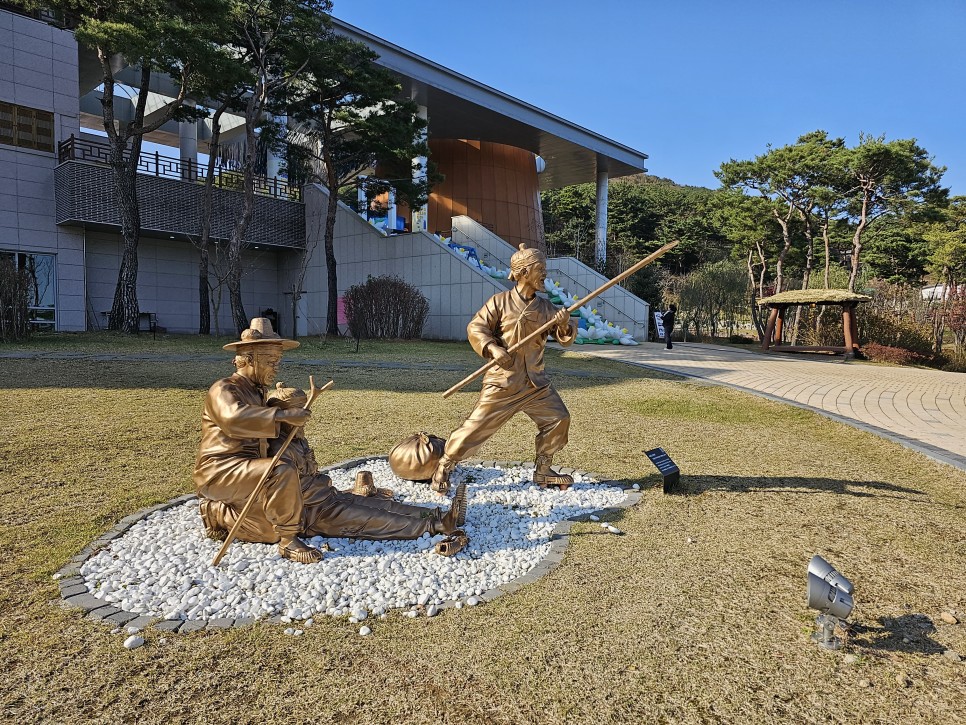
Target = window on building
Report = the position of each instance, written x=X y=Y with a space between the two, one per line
x=41 y=283
x=26 y=127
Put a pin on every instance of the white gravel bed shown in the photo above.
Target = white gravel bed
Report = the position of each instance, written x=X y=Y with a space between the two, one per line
x=161 y=566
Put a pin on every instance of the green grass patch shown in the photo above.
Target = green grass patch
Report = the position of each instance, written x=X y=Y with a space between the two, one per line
x=695 y=615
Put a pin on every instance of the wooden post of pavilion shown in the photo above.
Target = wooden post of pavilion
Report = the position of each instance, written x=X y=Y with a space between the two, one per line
x=770 y=328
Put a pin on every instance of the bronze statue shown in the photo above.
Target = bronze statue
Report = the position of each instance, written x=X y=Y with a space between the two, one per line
x=517 y=382
x=240 y=426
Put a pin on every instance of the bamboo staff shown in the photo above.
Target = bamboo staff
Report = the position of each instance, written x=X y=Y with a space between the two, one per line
x=314 y=392
x=573 y=308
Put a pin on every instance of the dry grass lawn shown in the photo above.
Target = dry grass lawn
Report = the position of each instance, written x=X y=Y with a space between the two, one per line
x=696 y=615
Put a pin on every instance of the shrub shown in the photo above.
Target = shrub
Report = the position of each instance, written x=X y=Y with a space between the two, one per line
x=386 y=307
x=742 y=339
x=885 y=353
x=820 y=325
x=14 y=301
x=887 y=330
x=954 y=363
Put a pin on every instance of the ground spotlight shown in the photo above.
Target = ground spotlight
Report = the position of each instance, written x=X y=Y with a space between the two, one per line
x=822 y=569
x=830 y=593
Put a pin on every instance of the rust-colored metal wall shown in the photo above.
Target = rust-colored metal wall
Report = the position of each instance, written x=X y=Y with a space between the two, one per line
x=491 y=183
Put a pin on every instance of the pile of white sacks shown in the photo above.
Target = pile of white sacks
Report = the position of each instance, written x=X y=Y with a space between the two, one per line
x=595 y=328
x=162 y=567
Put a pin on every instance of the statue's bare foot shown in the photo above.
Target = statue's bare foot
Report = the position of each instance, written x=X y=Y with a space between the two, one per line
x=456 y=516
x=297 y=550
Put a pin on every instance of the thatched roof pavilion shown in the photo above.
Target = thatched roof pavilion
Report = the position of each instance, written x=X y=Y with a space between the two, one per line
x=782 y=301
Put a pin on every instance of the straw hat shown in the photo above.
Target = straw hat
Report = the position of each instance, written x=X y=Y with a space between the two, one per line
x=260 y=332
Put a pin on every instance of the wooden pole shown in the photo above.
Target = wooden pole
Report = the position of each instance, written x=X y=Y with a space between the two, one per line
x=573 y=308
x=780 y=324
x=313 y=394
x=850 y=329
x=770 y=328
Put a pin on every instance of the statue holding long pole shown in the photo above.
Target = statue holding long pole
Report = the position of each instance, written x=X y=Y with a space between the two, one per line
x=511 y=331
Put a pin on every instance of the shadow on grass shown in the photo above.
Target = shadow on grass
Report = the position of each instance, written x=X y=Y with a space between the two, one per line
x=906 y=633
x=694 y=485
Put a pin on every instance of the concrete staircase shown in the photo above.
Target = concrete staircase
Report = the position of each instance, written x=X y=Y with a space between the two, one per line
x=616 y=304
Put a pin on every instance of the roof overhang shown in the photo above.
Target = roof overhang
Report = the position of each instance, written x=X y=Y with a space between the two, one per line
x=460 y=108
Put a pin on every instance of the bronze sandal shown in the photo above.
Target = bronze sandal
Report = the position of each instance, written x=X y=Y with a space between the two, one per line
x=454 y=544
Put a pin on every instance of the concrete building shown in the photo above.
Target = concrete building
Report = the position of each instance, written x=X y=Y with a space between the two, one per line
x=58 y=217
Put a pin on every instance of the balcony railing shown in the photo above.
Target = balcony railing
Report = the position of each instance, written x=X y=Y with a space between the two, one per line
x=168 y=167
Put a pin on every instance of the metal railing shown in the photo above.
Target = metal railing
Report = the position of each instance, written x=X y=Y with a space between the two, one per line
x=168 y=167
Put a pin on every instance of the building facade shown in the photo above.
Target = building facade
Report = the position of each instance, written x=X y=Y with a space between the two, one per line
x=59 y=221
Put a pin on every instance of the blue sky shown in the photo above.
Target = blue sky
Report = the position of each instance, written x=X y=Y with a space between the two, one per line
x=693 y=83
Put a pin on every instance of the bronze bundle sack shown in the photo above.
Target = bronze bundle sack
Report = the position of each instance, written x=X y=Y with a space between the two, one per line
x=415 y=457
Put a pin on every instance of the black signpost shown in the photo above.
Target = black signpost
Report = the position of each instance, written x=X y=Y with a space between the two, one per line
x=667 y=468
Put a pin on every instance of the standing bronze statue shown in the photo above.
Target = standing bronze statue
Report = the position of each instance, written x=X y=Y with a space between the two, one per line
x=244 y=420
x=517 y=382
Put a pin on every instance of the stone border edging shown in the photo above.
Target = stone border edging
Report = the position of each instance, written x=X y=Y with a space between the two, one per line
x=74 y=592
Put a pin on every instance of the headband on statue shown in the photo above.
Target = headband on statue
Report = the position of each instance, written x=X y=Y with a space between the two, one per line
x=525 y=257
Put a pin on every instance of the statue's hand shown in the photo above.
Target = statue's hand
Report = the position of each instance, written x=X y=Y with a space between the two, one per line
x=562 y=318
x=293 y=416
x=501 y=357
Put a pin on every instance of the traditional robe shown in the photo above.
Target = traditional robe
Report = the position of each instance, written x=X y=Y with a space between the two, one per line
x=504 y=320
x=238 y=431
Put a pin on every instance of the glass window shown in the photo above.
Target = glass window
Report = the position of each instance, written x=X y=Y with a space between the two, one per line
x=41 y=281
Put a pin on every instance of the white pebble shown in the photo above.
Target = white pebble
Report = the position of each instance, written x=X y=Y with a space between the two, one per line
x=636 y=487
x=161 y=566
x=133 y=642
x=473 y=601
x=594 y=517
x=432 y=610
x=133 y=630
x=364 y=631
x=290 y=631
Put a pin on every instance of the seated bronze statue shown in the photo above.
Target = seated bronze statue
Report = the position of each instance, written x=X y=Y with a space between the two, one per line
x=244 y=419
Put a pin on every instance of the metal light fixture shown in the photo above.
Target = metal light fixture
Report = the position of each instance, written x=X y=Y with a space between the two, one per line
x=830 y=593
x=822 y=569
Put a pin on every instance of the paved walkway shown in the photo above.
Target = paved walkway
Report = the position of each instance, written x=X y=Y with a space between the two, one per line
x=922 y=409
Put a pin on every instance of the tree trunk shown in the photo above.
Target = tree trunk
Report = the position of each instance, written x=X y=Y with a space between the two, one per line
x=857 y=241
x=204 y=244
x=787 y=245
x=939 y=319
x=807 y=274
x=125 y=313
x=332 y=306
x=235 y=243
x=204 y=293
x=755 y=312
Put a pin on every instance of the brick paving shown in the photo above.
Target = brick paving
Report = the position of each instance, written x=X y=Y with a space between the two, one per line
x=920 y=408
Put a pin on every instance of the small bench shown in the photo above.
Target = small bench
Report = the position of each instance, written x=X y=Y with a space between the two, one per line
x=149 y=318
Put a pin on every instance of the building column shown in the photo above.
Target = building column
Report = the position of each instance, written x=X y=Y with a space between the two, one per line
x=420 y=216
x=188 y=147
x=600 y=249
